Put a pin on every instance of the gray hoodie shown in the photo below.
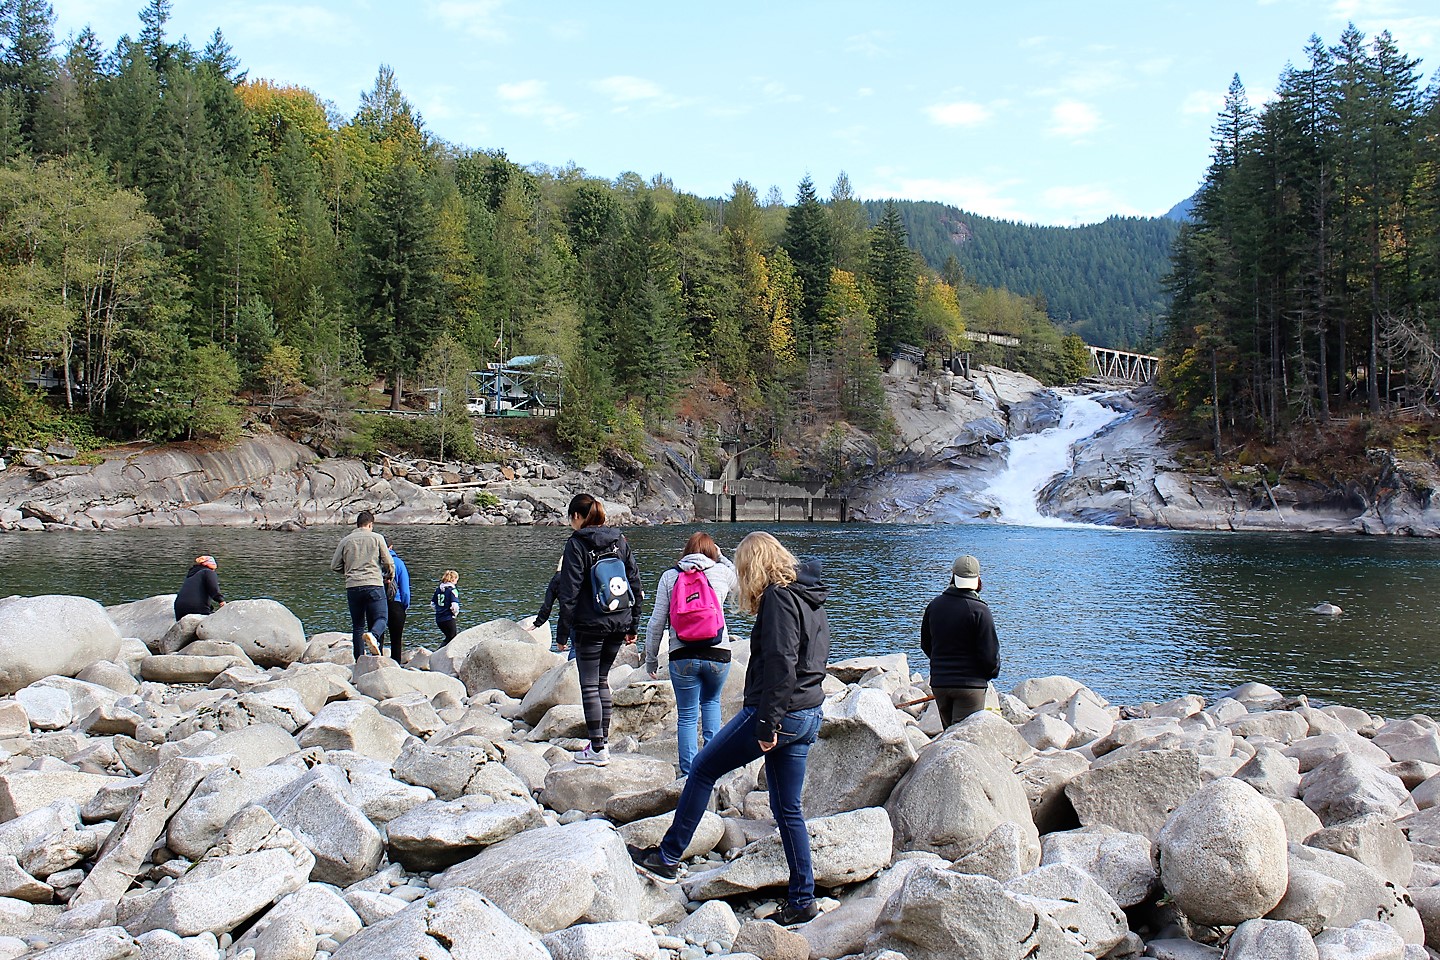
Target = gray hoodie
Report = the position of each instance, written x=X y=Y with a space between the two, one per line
x=722 y=580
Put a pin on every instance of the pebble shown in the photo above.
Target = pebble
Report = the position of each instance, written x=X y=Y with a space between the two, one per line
x=692 y=952
x=327 y=944
x=409 y=893
x=667 y=942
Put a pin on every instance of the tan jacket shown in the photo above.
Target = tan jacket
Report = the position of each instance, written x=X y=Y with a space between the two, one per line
x=364 y=559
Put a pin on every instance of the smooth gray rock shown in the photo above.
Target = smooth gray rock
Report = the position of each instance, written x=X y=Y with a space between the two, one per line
x=845 y=848
x=1086 y=910
x=1045 y=777
x=1003 y=855
x=106 y=943
x=352 y=725
x=25 y=791
x=317 y=810
x=52 y=636
x=1346 y=787
x=20 y=832
x=397 y=682
x=552 y=877
x=321 y=906
x=616 y=940
x=510 y=665
x=649 y=832
x=146 y=620
x=558 y=685
x=861 y=753
x=954 y=795
x=1362 y=894
x=578 y=786
x=940 y=915
x=441 y=833
x=1037 y=691
x=1136 y=793
x=457 y=924
x=1270 y=940
x=270 y=634
x=254 y=864
x=447 y=659
x=1362 y=940
x=714 y=921
x=222 y=794
x=1122 y=863
x=1375 y=841
x=1272 y=773
x=1223 y=854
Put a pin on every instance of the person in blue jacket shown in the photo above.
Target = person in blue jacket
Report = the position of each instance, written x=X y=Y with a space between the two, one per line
x=398 y=603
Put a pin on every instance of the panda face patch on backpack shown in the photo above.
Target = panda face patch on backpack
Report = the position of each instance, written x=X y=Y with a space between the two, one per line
x=610 y=586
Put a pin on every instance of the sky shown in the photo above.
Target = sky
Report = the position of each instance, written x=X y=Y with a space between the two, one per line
x=1042 y=111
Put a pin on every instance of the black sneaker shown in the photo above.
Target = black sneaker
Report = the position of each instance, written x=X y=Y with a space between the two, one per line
x=648 y=858
x=789 y=915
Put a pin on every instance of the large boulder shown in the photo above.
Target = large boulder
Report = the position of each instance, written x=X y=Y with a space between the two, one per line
x=441 y=833
x=954 y=796
x=1135 y=793
x=1345 y=787
x=1086 y=910
x=578 y=786
x=270 y=634
x=146 y=620
x=550 y=878
x=618 y=940
x=941 y=915
x=1122 y=863
x=52 y=636
x=1328 y=889
x=558 y=685
x=456 y=924
x=510 y=665
x=254 y=864
x=354 y=725
x=845 y=848
x=862 y=752
x=448 y=658
x=317 y=810
x=1222 y=854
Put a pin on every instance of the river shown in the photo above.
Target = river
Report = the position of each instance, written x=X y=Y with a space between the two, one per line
x=1137 y=615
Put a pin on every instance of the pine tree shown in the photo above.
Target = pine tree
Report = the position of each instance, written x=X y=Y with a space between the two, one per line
x=892 y=276
x=811 y=248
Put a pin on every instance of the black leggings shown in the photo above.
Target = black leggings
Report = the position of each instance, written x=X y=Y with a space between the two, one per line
x=594 y=656
x=396 y=626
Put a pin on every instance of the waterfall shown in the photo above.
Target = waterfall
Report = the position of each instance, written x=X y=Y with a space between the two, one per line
x=1035 y=459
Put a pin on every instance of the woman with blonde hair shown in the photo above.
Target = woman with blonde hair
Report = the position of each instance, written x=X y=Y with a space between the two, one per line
x=699 y=647
x=789 y=646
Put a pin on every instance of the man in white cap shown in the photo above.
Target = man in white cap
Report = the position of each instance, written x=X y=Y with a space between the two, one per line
x=958 y=635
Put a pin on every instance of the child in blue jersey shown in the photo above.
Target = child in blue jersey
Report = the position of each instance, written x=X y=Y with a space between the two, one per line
x=446 y=602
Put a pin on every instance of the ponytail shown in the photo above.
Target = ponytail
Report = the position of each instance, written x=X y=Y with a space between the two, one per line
x=588 y=509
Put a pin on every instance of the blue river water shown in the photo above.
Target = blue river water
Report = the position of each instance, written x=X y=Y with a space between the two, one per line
x=1136 y=615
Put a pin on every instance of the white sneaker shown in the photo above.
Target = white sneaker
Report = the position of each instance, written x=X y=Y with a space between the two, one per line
x=372 y=646
x=592 y=756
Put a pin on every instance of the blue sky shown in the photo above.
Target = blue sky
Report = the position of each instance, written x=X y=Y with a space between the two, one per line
x=1035 y=110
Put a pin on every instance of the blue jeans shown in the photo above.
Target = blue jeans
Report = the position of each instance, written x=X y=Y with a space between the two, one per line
x=733 y=747
x=697 y=698
x=368 y=610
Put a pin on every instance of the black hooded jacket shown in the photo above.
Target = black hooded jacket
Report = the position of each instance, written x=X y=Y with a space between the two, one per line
x=958 y=635
x=577 y=609
x=788 y=650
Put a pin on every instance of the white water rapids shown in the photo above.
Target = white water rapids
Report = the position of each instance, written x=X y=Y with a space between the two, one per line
x=1035 y=459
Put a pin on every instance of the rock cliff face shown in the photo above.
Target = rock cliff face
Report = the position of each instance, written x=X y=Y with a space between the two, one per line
x=271 y=481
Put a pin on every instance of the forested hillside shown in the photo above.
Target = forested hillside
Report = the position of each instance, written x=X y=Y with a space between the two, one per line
x=1103 y=281
x=1309 y=282
x=177 y=237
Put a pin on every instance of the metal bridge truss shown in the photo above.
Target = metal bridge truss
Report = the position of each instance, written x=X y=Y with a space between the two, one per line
x=1125 y=367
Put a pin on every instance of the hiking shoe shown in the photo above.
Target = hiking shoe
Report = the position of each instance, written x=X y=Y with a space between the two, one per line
x=372 y=646
x=592 y=756
x=789 y=915
x=648 y=858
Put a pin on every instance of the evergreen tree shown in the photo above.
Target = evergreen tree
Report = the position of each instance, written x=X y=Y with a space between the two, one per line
x=27 y=36
x=892 y=278
x=811 y=249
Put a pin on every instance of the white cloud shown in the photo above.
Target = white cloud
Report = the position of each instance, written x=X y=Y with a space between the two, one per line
x=958 y=114
x=865 y=92
x=477 y=18
x=775 y=92
x=528 y=98
x=989 y=198
x=629 y=89
x=267 y=20
x=873 y=44
x=1073 y=119
x=1085 y=203
x=1203 y=103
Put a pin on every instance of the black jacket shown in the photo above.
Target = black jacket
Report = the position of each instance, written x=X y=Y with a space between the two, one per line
x=200 y=587
x=958 y=635
x=789 y=647
x=577 y=608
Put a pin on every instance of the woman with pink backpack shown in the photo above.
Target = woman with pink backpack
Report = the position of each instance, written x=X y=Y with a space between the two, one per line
x=690 y=607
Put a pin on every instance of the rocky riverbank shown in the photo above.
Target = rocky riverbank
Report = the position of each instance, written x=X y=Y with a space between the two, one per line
x=232 y=787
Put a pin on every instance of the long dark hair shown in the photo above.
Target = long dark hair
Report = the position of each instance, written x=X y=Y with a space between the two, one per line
x=588 y=509
x=701 y=542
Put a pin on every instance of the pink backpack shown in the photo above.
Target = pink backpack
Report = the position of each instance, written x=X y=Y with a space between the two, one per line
x=695 y=614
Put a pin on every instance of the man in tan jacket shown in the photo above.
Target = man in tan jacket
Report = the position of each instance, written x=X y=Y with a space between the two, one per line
x=364 y=559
